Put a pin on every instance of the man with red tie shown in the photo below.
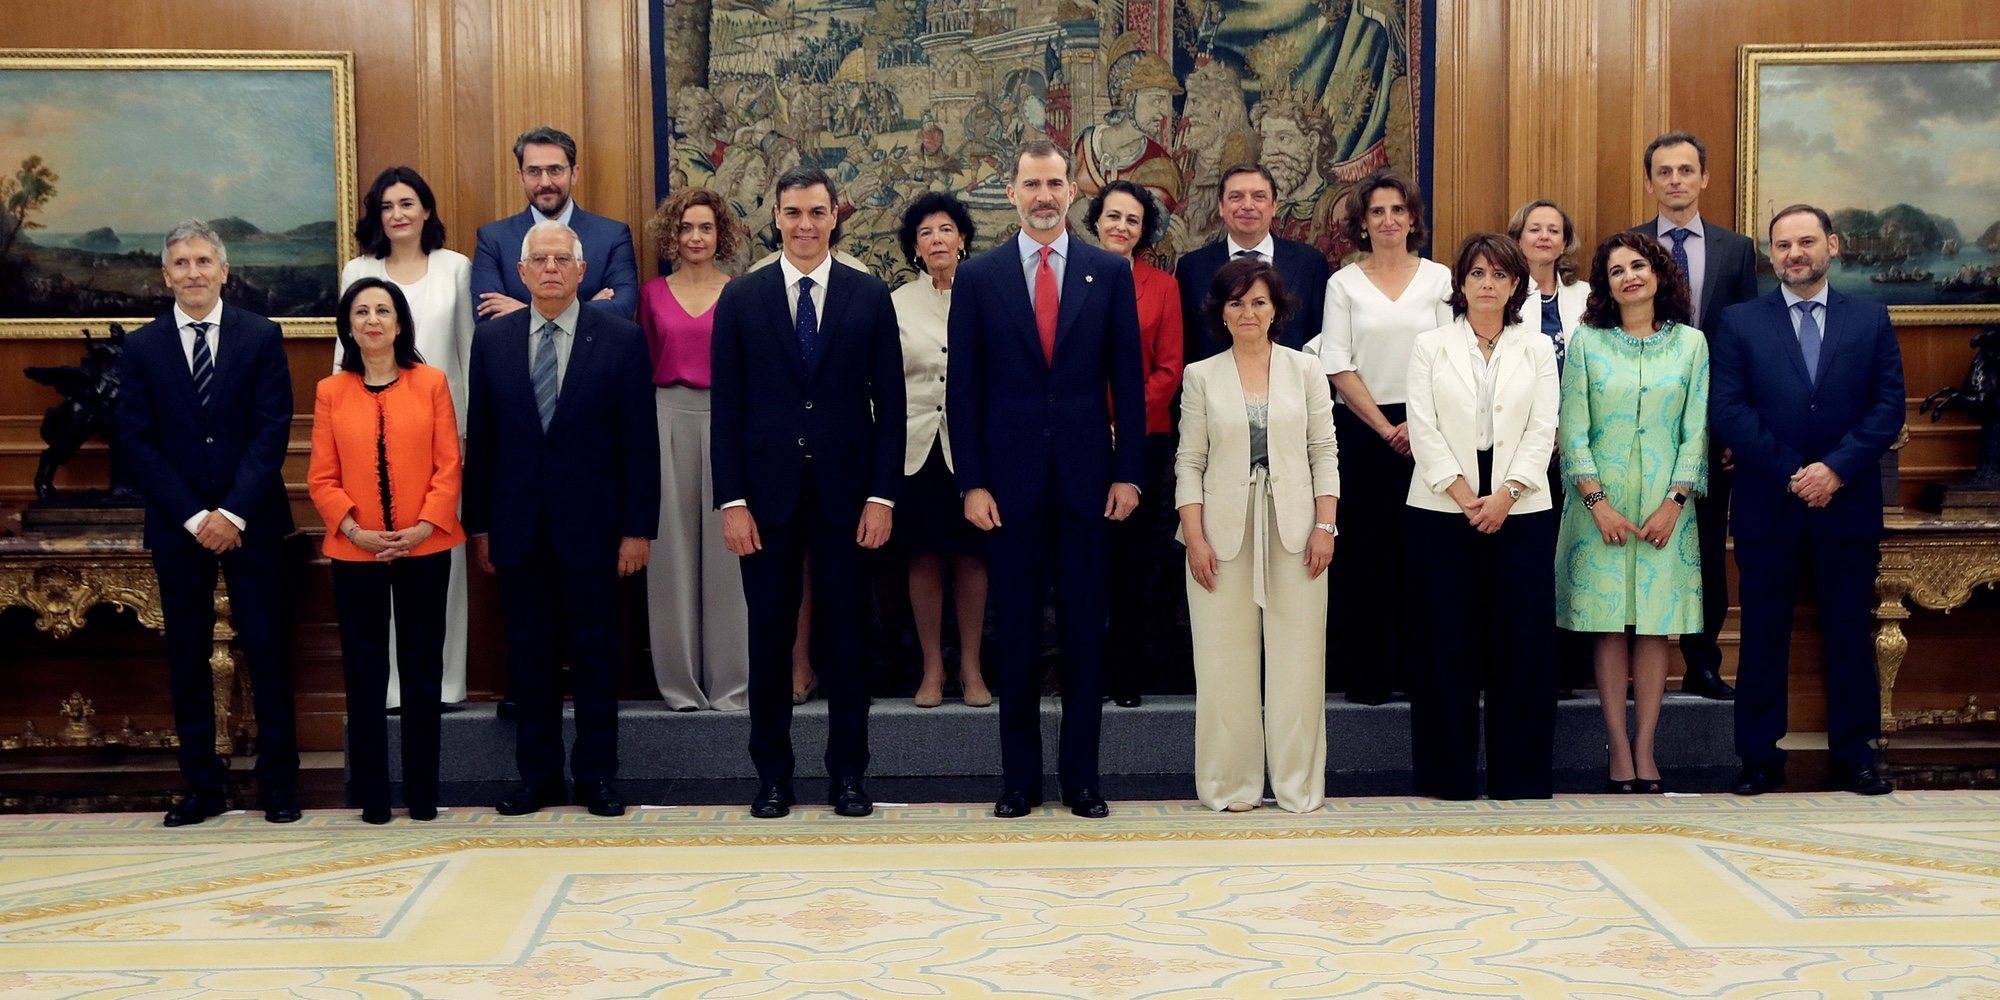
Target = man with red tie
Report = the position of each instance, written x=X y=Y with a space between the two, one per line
x=1041 y=326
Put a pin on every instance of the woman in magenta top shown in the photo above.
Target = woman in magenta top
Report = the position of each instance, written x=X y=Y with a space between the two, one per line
x=694 y=595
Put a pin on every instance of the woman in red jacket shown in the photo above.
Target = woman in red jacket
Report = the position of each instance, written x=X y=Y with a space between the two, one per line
x=385 y=476
x=1127 y=220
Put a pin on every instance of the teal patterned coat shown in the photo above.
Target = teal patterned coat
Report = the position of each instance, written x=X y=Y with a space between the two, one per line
x=1634 y=417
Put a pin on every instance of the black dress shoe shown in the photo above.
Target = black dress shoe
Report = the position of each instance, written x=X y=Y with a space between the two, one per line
x=772 y=802
x=1014 y=805
x=1866 y=781
x=281 y=805
x=374 y=815
x=1087 y=803
x=1708 y=684
x=848 y=798
x=600 y=798
x=506 y=709
x=1758 y=780
x=424 y=814
x=194 y=807
x=525 y=799
x=1125 y=700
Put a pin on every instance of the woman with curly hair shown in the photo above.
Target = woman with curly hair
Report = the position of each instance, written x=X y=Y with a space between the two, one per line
x=1127 y=219
x=1634 y=443
x=694 y=596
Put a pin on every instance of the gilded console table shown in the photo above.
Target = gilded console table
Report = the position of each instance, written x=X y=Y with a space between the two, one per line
x=60 y=577
x=1931 y=563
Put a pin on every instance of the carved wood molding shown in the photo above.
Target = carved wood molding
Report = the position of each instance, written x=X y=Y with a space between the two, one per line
x=1552 y=87
x=538 y=77
x=1651 y=113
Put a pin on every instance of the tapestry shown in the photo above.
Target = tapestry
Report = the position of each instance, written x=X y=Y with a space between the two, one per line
x=899 y=97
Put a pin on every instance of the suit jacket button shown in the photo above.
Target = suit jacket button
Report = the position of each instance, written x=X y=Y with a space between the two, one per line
x=1046 y=432
x=940 y=409
x=209 y=440
x=802 y=442
x=944 y=350
x=809 y=404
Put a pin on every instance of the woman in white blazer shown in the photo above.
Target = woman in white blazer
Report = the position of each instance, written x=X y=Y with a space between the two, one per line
x=1482 y=411
x=930 y=522
x=1256 y=481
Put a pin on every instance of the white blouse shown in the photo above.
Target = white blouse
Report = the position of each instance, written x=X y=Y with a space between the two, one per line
x=1366 y=332
x=441 y=308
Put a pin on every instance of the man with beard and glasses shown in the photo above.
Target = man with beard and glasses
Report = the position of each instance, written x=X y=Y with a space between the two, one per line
x=545 y=159
x=1249 y=204
x=1808 y=393
x=1721 y=270
x=1044 y=359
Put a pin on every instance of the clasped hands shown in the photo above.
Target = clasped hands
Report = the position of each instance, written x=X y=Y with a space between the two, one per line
x=1815 y=484
x=1615 y=527
x=388 y=545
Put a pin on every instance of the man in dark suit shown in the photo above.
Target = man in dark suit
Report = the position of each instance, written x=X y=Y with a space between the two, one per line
x=562 y=497
x=546 y=162
x=1808 y=393
x=807 y=447
x=1721 y=268
x=204 y=415
x=1249 y=202
x=1041 y=326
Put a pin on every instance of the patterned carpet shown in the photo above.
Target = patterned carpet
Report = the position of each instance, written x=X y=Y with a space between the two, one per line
x=1790 y=896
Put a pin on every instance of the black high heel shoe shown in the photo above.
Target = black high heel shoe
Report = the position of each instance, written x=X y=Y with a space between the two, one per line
x=1650 y=786
x=1612 y=786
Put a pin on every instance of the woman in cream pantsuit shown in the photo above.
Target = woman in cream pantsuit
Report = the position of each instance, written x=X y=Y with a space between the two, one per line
x=1482 y=409
x=1257 y=480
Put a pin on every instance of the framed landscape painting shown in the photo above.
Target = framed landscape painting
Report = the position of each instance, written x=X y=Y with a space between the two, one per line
x=1900 y=143
x=101 y=152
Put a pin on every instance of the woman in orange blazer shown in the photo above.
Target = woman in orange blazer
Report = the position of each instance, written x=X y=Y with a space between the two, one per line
x=385 y=476
x=1127 y=220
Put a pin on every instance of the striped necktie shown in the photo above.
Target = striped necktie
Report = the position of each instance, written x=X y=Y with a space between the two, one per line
x=204 y=364
x=543 y=374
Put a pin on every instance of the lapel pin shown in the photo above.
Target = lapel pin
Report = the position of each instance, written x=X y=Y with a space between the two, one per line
x=1088 y=278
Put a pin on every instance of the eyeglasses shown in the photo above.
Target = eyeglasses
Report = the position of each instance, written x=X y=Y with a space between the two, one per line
x=554 y=173
x=559 y=260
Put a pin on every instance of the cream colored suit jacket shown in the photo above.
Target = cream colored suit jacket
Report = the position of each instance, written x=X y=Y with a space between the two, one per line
x=1212 y=466
x=1443 y=393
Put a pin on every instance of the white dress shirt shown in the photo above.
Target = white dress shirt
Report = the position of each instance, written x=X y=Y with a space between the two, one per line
x=184 y=323
x=1483 y=368
x=1267 y=249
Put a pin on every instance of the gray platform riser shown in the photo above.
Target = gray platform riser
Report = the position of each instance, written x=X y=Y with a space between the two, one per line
x=953 y=741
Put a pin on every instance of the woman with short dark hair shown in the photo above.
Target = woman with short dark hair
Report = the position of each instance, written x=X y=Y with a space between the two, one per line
x=1634 y=444
x=936 y=233
x=401 y=237
x=1482 y=406
x=1257 y=483
x=385 y=477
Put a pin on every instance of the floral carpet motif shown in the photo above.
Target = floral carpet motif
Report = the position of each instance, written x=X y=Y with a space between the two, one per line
x=1800 y=897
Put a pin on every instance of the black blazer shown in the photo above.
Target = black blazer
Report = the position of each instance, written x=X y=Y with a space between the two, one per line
x=1729 y=269
x=770 y=413
x=1301 y=265
x=1777 y=421
x=1011 y=411
x=233 y=456
x=594 y=477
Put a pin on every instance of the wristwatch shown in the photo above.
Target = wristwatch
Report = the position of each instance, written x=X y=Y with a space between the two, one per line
x=1512 y=490
x=1680 y=499
x=1327 y=526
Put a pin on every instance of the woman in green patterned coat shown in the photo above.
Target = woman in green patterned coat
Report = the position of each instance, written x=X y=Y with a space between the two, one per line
x=1633 y=437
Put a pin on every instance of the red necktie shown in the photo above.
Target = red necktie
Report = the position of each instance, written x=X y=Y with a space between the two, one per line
x=1046 y=305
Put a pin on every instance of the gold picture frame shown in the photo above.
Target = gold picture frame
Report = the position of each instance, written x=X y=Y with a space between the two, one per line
x=261 y=146
x=1913 y=237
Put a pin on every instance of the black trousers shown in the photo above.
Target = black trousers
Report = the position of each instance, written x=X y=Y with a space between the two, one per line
x=1367 y=652
x=1711 y=516
x=363 y=593
x=548 y=605
x=1076 y=546
x=252 y=574
x=1490 y=603
x=773 y=583
x=1842 y=571
x=1142 y=610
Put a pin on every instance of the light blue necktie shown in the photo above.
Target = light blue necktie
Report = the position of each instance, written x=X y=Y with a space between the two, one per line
x=543 y=375
x=1809 y=339
x=204 y=364
x=807 y=326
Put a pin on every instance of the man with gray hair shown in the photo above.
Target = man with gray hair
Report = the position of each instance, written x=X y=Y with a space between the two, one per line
x=205 y=415
x=545 y=162
x=562 y=498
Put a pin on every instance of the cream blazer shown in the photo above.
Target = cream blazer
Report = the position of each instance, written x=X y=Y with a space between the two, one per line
x=1570 y=300
x=1443 y=392
x=921 y=314
x=1212 y=465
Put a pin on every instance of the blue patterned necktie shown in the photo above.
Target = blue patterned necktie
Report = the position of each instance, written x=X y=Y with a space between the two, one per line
x=204 y=364
x=1809 y=338
x=543 y=374
x=807 y=326
x=1680 y=238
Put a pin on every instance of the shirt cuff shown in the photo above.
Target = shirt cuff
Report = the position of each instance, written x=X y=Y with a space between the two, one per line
x=233 y=519
x=891 y=504
x=736 y=503
x=193 y=524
